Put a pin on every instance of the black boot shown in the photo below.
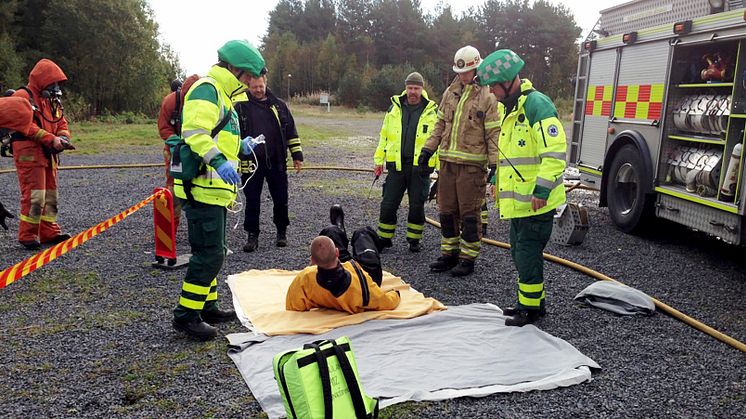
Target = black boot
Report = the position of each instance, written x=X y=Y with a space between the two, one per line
x=522 y=318
x=337 y=216
x=384 y=243
x=282 y=238
x=195 y=328
x=465 y=267
x=31 y=244
x=414 y=245
x=58 y=239
x=444 y=263
x=252 y=243
x=511 y=311
x=218 y=316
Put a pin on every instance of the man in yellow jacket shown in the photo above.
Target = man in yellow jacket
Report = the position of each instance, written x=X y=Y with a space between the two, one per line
x=530 y=185
x=465 y=136
x=210 y=128
x=407 y=125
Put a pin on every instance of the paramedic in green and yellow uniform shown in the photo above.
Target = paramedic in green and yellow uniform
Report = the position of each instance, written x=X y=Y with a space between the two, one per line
x=529 y=184
x=208 y=104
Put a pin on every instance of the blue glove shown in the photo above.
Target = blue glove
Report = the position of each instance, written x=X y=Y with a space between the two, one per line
x=228 y=173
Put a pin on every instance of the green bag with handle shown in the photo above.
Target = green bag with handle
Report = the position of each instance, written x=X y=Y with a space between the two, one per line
x=321 y=381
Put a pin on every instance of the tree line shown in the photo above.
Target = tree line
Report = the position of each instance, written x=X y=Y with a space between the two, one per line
x=108 y=49
x=362 y=50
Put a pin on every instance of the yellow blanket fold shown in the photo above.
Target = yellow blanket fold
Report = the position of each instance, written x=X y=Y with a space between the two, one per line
x=261 y=296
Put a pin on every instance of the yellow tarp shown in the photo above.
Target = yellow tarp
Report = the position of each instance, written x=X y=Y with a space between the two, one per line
x=261 y=296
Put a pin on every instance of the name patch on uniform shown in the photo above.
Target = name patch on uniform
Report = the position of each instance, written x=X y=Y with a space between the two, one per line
x=553 y=130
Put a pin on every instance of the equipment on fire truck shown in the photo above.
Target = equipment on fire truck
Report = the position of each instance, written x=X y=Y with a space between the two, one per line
x=703 y=114
x=728 y=188
x=719 y=67
x=697 y=167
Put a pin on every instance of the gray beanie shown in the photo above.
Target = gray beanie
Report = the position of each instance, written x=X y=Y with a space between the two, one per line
x=414 y=78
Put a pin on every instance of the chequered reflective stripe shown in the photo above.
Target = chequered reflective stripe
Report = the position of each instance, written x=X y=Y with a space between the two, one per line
x=470 y=249
x=213 y=295
x=598 y=101
x=386 y=231
x=414 y=231
x=498 y=65
x=449 y=245
x=644 y=101
x=193 y=296
x=530 y=295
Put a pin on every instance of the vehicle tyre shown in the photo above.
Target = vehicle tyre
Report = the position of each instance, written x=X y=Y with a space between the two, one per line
x=629 y=206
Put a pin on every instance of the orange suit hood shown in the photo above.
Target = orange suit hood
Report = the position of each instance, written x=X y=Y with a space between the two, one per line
x=44 y=73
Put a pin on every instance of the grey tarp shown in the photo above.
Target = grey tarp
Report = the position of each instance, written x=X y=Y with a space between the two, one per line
x=463 y=351
x=617 y=298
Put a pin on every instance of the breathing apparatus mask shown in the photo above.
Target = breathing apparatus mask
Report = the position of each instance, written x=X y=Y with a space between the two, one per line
x=6 y=137
x=53 y=92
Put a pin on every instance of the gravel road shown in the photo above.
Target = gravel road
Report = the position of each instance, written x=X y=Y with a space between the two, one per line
x=90 y=334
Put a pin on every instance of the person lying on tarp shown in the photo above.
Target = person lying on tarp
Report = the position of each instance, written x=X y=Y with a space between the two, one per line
x=337 y=280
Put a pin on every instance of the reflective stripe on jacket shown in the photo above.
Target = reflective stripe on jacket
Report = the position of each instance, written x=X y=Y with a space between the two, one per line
x=205 y=105
x=533 y=140
x=390 y=141
x=468 y=126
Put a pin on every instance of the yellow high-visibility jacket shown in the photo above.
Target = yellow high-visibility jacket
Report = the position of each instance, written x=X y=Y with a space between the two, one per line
x=306 y=293
x=533 y=141
x=390 y=141
x=205 y=105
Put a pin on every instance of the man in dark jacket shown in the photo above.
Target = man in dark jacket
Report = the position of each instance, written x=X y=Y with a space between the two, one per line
x=261 y=112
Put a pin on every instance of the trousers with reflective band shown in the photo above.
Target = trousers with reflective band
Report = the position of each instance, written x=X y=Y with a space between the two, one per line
x=206 y=226
x=532 y=162
x=528 y=237
x=461 y=191
x=416 y=184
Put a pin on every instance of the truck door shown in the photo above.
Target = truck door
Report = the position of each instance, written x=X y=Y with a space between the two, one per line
x=598 y=110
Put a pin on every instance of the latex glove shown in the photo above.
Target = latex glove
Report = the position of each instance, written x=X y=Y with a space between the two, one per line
x=4 y=213
x=378 y=170
x=228 y=173
x=424 y=159
x=249 y=143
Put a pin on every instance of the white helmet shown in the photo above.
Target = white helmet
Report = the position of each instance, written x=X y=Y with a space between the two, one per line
x=467 y=58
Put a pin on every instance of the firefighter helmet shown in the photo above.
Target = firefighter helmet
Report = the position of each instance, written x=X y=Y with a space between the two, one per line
x=244 y=56
x=499 y=67
x=466 y=58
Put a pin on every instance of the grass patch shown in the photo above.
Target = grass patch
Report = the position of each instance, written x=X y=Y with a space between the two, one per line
x=314 y=135
x=91 y=137
x=406 y=410
x=336 y=112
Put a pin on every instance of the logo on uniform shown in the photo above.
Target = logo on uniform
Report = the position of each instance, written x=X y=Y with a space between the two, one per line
x=553 y=130
x=521 y=143
x=460 y=63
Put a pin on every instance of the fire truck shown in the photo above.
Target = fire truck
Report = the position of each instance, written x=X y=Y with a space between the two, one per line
x=660 y=112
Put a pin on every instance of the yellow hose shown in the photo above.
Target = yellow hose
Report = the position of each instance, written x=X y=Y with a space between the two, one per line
x=580 y=268
x=658 y=304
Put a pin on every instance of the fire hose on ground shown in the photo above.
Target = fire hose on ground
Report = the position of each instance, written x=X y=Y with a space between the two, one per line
x=578 y=267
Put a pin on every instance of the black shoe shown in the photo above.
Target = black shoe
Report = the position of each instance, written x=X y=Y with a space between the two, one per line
x=31 y=244
x=282 y=238
x=484 y=230
x=444 y=263
x=196 y=329
x=252 y=243
x=511 y=311
x=414 y=246
x=465 y=267
x=337 y=216
x=58 y=239
x=218 y=316
x=385 y=243
x=522 y=318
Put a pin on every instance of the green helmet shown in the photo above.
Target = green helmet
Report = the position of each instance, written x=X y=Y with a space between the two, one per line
x=242 y=55
x=499 y=67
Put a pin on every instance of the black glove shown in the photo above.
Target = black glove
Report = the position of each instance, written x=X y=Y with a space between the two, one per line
x=424 y=158
x=3 y=215
x=493 y=169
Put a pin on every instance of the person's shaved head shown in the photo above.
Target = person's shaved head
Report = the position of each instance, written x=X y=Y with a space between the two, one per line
x=324 y=253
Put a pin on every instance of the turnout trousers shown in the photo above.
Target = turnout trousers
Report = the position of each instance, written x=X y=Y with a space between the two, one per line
x=38 y=219
x=170 y=186
x=364 y=249
x=416 y=184
x=461 y=191
x=277 y=182
x=199 y=291
x=528 y=237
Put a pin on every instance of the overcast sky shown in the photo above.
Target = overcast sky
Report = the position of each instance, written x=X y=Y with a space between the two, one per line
x=195 y=30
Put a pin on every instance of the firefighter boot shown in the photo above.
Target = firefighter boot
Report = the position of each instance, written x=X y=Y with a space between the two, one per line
x=522 y=318
x=30 y=244
x=252 y=243
x=414 y=245
x=444 y=263
x=465 y=267
x=511 y=311
x=384 y=243
x=282 y=238
x=195 y=328
x=218 y=316
x=58 y=239
x=337 y=216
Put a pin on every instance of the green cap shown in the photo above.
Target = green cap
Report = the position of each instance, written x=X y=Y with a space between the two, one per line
x=499 y=67
x=241 y=54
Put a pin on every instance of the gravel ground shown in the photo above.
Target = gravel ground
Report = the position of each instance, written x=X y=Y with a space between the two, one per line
x=90 y=334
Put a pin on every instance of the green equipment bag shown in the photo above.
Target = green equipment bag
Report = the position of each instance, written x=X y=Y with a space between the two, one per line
x=321 y=381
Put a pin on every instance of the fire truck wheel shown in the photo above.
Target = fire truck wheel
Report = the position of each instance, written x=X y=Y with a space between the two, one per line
x=629 y=205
